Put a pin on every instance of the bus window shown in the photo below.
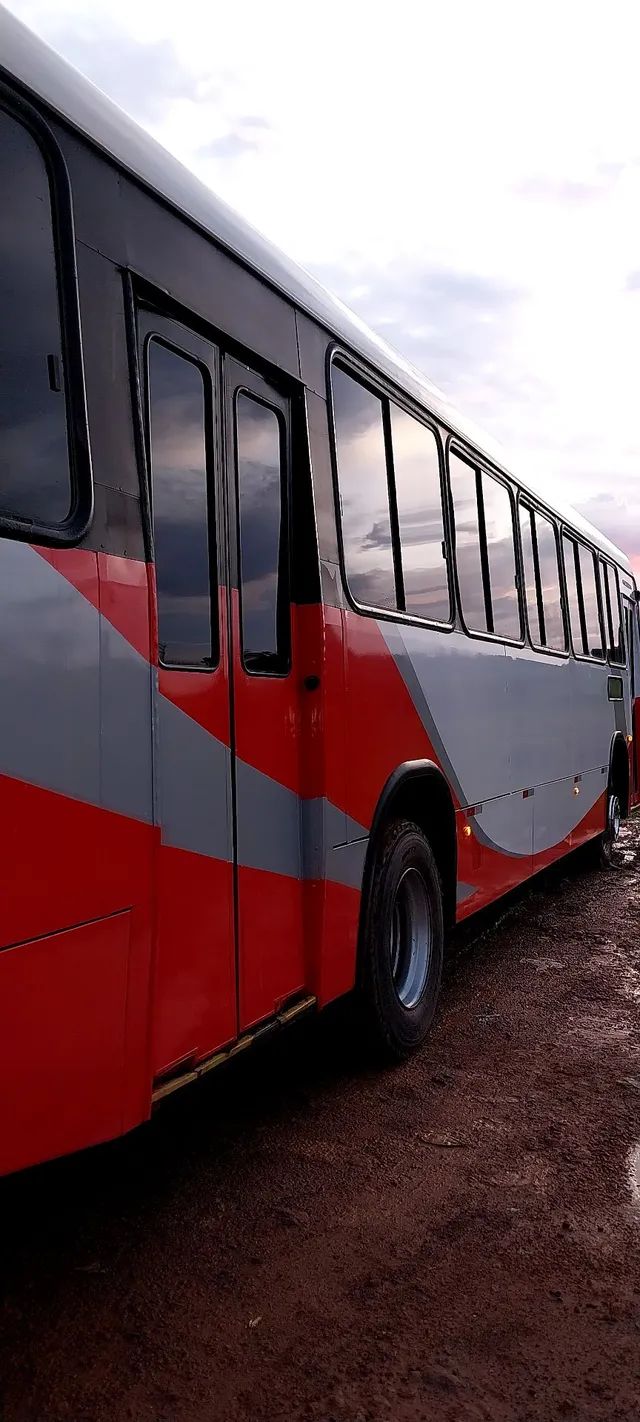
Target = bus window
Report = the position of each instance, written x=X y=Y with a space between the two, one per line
x=532 y=591
x=549 y=570
x=179 y=498
x=542 y=580
x=590 y=602
x=501 y=556
x=612 y=611
x=464 y=494
x=364 y=491
x=573 y=595
x=35 y=478
x=417 y=484
x=263 y=544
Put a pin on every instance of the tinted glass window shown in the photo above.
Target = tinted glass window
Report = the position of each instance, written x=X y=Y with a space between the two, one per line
x=464 y=496
x=575 y=621
x=264 y=600
x=547 y=549
x=629 y=620
x=180 y=508
x=590 y=602
x=364 y=492
x=35 y=480
x=417 y=482
x=498 y=519
x=531 y=585
x=612 y=611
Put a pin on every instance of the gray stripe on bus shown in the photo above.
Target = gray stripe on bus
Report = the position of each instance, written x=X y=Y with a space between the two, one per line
x=76 y=721
x=395 y=642
x=282 y=833
x=49 y=654
x=554 y=810
x=268 y=823
x=126 y=700
x=345 y=863
x=392 y=635
x=194 y=785
x=327 y=830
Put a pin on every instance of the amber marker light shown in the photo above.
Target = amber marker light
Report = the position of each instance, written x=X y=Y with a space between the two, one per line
x=466 y=830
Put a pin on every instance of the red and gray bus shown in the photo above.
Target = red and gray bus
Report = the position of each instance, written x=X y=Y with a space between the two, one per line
x=296 y=671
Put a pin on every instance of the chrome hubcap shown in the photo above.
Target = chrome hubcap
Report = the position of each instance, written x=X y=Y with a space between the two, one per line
x=411 y=937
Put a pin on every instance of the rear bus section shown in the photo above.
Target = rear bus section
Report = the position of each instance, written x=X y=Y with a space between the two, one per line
x=295 y=675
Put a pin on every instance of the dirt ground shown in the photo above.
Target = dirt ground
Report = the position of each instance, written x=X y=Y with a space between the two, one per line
x=302 y=1238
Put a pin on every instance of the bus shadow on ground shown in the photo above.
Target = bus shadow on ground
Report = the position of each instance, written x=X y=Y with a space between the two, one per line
x=202 y=1128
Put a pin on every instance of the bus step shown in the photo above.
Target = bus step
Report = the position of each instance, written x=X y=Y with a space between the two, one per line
x=290 y=1013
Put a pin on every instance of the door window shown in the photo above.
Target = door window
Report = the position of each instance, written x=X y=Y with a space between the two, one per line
x=183 y=545
x=262 y=526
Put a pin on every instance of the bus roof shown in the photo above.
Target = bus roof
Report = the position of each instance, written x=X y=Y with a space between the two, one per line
x=68 y=94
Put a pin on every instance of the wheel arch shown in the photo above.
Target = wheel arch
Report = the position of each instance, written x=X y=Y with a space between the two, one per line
x=619 y=770
x=417 y=790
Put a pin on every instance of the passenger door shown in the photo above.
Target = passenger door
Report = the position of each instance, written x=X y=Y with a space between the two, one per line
x=195 y=971
x=266 y=704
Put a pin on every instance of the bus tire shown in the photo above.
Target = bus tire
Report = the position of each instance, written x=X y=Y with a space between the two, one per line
x=402 y=944
x=605 y=843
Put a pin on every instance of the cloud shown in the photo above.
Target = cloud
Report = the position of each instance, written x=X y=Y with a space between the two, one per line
x=618 y=515
x=142 y=77
x=571 y=191
x=379 y=536
x=462 y=329
x=506 y=269
x=246 y=136
x=561 y=190
x=458 y=327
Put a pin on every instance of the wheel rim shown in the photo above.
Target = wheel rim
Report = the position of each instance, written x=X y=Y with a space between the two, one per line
x=614 y=818
x=411 y=937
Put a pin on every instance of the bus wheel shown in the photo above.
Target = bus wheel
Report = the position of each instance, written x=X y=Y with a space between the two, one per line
x=402 y=947
x=612 y=829
x=600 y=850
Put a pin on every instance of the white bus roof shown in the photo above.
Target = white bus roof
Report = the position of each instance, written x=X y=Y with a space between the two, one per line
x=44 y=73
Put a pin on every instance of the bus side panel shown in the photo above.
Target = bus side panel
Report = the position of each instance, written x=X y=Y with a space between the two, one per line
x=75 y=797
x=194 y=986
x=592 y=800
x=498 y=721
x=411 y=693
x=62 y=1033
x=336 y=909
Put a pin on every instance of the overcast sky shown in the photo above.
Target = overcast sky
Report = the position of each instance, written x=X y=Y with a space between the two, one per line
x=466 y=176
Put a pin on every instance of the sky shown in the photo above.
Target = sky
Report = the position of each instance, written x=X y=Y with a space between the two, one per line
x=465 y=176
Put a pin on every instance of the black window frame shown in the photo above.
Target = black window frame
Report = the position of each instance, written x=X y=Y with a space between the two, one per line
x=72 y=529
x=592 y=553
x=204 y=667
x=569 y=535
x=631 y=619
x=272 y=664
x=387 y=394
x=606 y=567
x=531 y=504
x=395 y=517
x=482 y=468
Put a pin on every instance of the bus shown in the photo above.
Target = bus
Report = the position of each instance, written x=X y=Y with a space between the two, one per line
x=296 y=671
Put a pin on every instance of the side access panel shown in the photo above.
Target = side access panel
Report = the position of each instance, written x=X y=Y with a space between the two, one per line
x=63 y=1002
